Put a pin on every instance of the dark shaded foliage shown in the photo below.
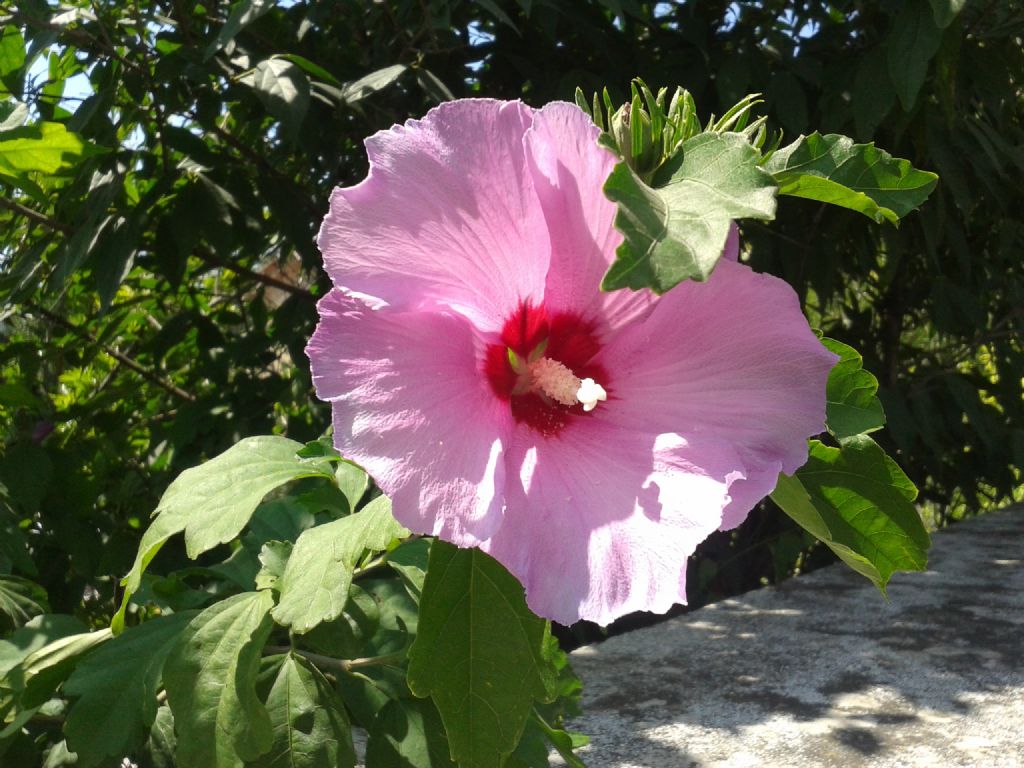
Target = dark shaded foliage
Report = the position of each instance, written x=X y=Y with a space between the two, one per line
x=157 y=294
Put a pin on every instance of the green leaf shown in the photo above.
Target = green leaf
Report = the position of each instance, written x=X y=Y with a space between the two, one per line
x=243 y=14
x=852 y=406
x=274 y=558
x=12 y=50
x=353 y=482
x=162 y=743
x=944 y=11
x=212 y=503
x=860 y=177
x=538 y=738
x=45 y=147
x=676 y=229
x=433 y=86
x=357 y=90
x=479 y=653
x=860 y=504
x=22 y=643
x=117 y=686
x=410 y=560
x=913 y=41
x=284 y=90
x=315 y=584
x=314 y=69
x=21 y=599
x=210 y=679
x=37 y=633
x=45 y=669
x=311 y=729
x=113 y=256
x=408 y=733
x=14 y=114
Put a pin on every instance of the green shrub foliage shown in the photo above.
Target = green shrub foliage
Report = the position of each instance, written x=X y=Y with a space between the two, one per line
x=163 y=170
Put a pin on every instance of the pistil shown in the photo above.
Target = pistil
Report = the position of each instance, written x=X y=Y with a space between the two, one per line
x=558 y=382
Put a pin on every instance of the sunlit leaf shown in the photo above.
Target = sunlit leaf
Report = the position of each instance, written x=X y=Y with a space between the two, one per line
x=860 y=504
x=44 y=147
x=676 y=229
x=210 y=679
x=274 y=558
x=12 y=50
x=852 y=406
x=861 y=177
x=314 y=587
x=211 y=503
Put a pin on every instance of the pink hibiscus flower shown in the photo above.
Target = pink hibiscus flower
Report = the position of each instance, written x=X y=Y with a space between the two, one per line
x=586 y=440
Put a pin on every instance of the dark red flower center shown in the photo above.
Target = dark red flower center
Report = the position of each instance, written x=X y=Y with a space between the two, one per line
x=527 y=336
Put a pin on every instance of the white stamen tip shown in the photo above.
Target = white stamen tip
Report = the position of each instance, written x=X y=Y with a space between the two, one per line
x=590 y=394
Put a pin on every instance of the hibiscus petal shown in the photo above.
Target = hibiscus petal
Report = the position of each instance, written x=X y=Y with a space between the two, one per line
x=600 y=522
x=732 y=360
x=446 y=215
x=569 y=171
x=412 y=408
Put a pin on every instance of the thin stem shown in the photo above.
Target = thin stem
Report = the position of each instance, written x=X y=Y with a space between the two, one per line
x=215 y=261
x=36 y=216
x=122 y=358
x=338 y=665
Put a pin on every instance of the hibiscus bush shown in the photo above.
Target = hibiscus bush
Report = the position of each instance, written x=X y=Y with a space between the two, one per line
x=551 y=364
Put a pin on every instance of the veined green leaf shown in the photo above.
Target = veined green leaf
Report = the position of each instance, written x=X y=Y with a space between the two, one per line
x=211 y=503
x=284 y=90
x=479 y=653
x=117 y=686
x=45 y=147
x=316 y=580
x=860 y=177
x=676 y=229
x=311 y=729
x=852 y=406
x=45 y=669
x=210 y=679
x=859 y=503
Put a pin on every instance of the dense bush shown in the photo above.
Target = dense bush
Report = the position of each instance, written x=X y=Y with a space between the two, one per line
x=159 y=272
